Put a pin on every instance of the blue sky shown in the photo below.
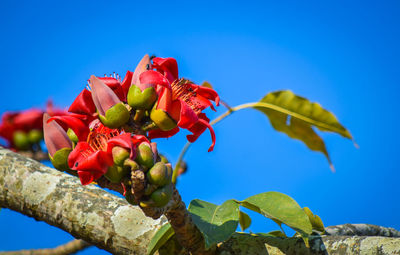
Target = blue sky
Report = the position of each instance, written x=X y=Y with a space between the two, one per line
x=341 y=54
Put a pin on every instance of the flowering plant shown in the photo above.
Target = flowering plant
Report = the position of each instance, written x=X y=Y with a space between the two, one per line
x=106 y=138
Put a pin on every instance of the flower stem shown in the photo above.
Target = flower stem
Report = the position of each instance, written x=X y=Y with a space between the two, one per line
x=218 y=119
x=178 y=163
x=139 y=115
x=149 y=126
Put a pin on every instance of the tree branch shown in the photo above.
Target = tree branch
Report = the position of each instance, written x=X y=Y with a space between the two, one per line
x=64 y=249
x=110 y=223
x=86 y=212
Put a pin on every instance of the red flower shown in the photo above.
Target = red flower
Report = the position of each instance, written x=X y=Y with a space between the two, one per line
x=181 y=100
x=24 y=121
x=85 y=104
x=92 y=155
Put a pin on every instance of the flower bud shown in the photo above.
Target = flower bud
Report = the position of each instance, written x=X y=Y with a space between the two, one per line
x=150 y=189
x=72 y=136
x=112 y=112
x=119 y=155
x=142 y=100
x=54 y=136
x=159 y=174
x=21 y=140
x=145 y=155
x=116 y=173
x=35 y=136
x=162 y=196
x=131 y=165
x=162 y=119
x=116 y=116
x=60 y=159
x=163 y=159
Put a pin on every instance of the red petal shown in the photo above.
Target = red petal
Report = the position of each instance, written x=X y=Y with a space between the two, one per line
x=30 y=119
x=126 y=83
x=138 y=139
x=86 y=177
x=187 y=116
x=168 y=66
x=123 y=141
x=92 y=165
x=55 y=136
x=83 y=104
x=54 y=111
x=80 y=129
x=154 y=78
x=115 y=85
x=206 y=92
x=165 y=101
x=162 y=134
x=198 y=128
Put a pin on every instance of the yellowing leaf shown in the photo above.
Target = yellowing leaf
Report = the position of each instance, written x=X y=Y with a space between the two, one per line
x=296 y=116
x=315 y=220
x=244 y=220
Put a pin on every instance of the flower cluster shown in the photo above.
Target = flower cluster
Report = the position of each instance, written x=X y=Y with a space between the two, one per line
x=110 y=124
x=22 y=130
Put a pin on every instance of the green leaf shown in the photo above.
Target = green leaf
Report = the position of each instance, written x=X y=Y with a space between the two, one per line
x=281 y=209
x=216 y=222
x=160 y=238
x=296 y=116
x=244 y=220
x=315 y=220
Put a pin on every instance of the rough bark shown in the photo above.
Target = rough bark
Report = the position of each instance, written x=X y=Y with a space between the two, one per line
x=87 y=212
x=109 y=222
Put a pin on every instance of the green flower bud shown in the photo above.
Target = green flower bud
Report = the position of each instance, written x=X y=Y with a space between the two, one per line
x=162 y=196
x=150 y=189
x=60 y=159
x=130 y=198
x=116 y=116
x=35 y=136
x=116 y=173
x=131 y=165
x=159 y=174
x=139 y=99
x=163 y=159
x=145 y=155
x=21 y=140
x=72 y=136
x=119 y=155
x=162 y=119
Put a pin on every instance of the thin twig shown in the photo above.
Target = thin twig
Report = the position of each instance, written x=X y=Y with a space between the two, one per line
x=64 y=249
x=178 y=163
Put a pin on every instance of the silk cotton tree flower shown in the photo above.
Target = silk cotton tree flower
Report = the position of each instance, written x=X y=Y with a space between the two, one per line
x=180 y=102
x=23 y=129
x=110 y=124
x=93 y=154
